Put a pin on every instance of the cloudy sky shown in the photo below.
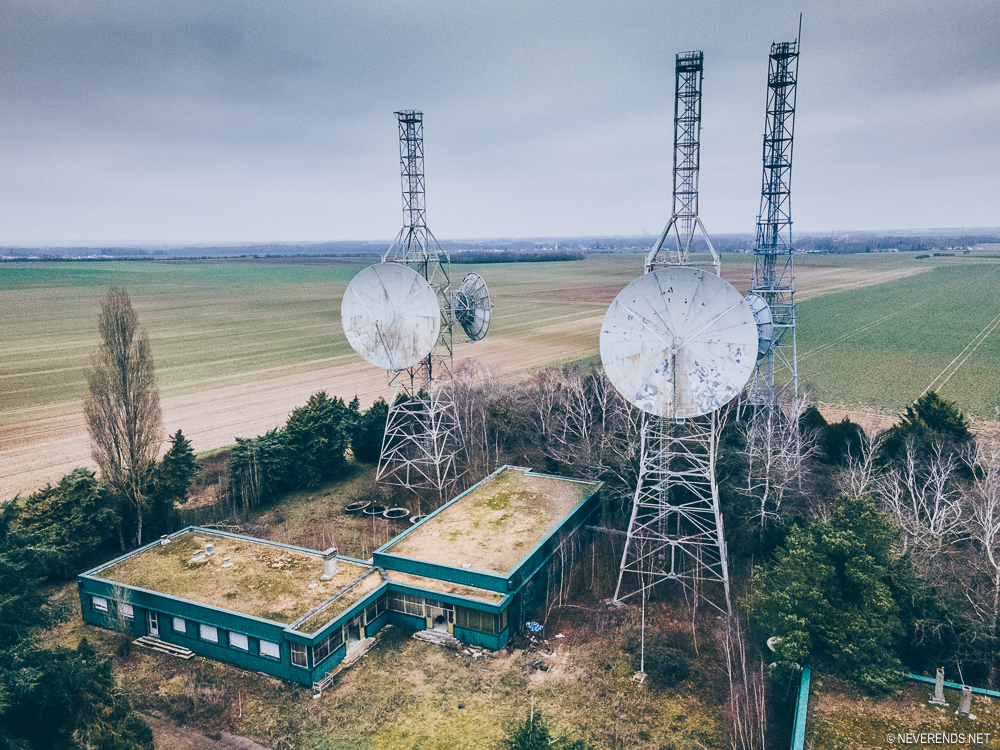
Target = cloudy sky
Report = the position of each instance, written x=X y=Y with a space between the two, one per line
x=217 y=121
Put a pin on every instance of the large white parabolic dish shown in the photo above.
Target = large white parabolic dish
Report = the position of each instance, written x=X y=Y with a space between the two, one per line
x=679 y=342
x=391 y=316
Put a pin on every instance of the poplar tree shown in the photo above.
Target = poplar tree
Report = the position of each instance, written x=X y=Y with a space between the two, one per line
x=123 y=411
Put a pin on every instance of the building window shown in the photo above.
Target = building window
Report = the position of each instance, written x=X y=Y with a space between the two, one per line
x=99 y=603
x=503 y=621
x=327 y=646
x=270 y=649
x=238 y=640
x=298 y=655
x=126 y=610
x=374 y=610
x=407 y=603
x=208 y=633
x=179 y=625
x=473 y=619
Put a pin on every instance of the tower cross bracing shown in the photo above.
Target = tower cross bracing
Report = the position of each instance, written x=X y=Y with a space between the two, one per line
x=775 y=381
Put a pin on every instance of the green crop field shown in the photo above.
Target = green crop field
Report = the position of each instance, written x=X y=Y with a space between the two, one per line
x=883 y=346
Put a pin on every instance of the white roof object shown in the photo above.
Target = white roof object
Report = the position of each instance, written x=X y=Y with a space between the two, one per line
x=391 y=316
x=679 y=342
x=473 y=306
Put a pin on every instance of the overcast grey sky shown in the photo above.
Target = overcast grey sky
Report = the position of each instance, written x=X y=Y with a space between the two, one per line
x=272 y=121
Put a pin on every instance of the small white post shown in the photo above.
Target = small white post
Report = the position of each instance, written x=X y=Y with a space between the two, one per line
x=938 y=697
x=965 y=703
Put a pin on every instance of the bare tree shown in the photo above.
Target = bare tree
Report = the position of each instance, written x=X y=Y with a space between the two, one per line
x=123 y=412
x=983 y=529
x=925 y=499
x=746 y=705
x=777 y=457
x=861 y=475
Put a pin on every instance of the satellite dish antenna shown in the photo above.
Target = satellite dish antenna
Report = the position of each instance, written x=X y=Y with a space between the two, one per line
x=473 y=306
x=765 y=323
x=391 y=316
x=679 y=342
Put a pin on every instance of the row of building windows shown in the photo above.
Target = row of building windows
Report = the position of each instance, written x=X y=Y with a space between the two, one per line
x=100 y=604
x=464 y=617
x=299 y=654
x=208 y=633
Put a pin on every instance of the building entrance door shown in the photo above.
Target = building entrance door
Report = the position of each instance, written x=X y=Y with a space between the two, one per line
x=354 y=632
x=154 y=623
x=440 y=615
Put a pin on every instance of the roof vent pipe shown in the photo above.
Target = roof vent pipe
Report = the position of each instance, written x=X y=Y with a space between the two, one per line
x=209 y=548
x=329 y=564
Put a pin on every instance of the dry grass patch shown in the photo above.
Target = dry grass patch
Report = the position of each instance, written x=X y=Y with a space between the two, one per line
x=840 y=716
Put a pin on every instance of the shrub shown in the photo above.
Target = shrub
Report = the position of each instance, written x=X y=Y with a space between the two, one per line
x=665 y=664
x=366 y=440
x=828 y=596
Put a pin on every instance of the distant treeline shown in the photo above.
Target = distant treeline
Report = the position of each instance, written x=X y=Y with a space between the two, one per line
x=882 y=244
x=509 y=257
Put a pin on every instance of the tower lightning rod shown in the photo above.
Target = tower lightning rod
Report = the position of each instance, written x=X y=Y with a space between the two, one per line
x=684 y=219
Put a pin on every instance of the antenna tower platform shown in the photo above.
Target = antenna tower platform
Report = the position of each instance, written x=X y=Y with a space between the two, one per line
x=776 y=379
x=422 y=436
x=676 y=531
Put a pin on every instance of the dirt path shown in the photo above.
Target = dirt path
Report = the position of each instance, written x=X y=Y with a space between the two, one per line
x=43 y=450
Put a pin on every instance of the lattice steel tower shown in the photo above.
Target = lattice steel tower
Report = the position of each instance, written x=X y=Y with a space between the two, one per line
x=684 y=219
x=775 y=381
x=422 y=436
x=676 y=531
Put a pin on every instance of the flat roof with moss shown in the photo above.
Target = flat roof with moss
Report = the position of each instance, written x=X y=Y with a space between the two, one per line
x=264 y=580
x=496 y=524
x=341 y=604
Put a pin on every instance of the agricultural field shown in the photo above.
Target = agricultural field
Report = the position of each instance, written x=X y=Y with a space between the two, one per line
x=238 y=344
x=880 y=347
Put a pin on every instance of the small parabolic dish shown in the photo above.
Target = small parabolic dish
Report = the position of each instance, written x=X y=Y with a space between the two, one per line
x=473 y=306
x=679 y=342
x=765 y=323
x=391 y=316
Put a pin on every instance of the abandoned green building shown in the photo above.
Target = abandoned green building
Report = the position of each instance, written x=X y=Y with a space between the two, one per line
x=474 y=568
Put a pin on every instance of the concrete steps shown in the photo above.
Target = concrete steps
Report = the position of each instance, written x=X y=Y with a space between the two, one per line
x=155 y=644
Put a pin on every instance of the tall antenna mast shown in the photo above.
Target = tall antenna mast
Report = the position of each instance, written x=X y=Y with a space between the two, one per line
x=675 y=531
x=422 y=436
x=684 y=217
x=776 y=379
